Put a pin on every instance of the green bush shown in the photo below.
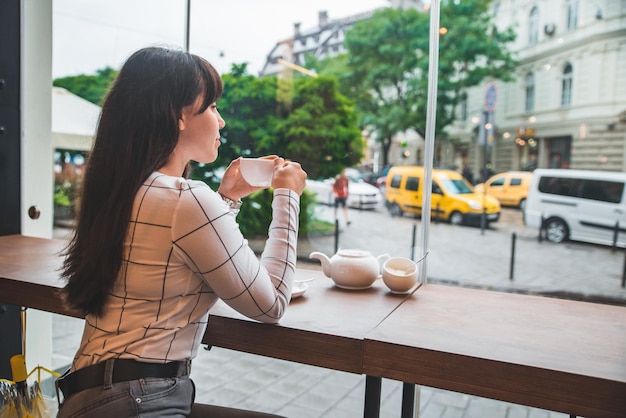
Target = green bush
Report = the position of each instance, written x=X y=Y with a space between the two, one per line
x=256 y=214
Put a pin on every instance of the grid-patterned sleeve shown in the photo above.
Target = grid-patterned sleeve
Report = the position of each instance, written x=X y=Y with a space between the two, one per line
x=207 y=238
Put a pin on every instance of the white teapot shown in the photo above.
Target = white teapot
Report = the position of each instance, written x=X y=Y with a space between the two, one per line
x=351 y=269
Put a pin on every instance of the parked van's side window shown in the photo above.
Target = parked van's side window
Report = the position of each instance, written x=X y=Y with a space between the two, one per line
x=412 y=183
x=559 y=185
x=395 y=181
x=516 y=181
x=604 y=191
x=601 y=190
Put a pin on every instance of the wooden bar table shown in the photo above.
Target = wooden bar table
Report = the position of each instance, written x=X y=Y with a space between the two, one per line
x=29 y=273
x=559 y=355
x=325 y=327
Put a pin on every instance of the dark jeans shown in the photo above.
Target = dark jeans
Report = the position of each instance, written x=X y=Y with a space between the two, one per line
x=147 y=397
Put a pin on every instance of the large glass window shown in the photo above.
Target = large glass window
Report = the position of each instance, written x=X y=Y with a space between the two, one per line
x=275 y=104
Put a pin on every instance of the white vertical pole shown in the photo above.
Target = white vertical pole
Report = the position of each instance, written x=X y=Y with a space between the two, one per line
x=433 y=65
x=36 y=142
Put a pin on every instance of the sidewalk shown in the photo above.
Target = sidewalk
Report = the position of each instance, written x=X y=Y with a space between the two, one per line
x=458 y=256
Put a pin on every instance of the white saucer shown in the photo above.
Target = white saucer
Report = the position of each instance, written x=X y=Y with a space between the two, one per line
x=298 y=290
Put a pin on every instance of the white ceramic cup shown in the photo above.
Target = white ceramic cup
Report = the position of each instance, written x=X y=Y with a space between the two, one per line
x=257 y=172
x=395 y=274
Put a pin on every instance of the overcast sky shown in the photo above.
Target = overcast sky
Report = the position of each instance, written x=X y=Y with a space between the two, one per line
x=91 y=34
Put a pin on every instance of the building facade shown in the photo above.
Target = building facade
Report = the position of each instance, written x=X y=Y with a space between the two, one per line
x=567 y=106
x=565 y=109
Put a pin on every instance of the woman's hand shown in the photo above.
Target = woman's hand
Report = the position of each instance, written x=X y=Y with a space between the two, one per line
x=233 y=185
x=289 y=175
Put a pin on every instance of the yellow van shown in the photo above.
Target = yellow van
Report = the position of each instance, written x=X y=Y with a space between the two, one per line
x=453 y=198
x=510 y=187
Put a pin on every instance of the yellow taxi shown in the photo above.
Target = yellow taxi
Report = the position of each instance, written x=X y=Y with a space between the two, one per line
x=452 y=197
x=510 y=187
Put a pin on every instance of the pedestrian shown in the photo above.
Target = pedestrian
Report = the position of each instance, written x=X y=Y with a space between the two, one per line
x=153 y=251
x=340 y=191
x=467 y=173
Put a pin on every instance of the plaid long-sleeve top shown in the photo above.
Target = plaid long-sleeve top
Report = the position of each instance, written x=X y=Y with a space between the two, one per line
x=183 y=251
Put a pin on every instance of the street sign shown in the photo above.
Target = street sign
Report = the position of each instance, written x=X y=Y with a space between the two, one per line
x=491 y=97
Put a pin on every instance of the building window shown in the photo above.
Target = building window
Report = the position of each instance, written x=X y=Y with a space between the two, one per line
x=566 y=85
x=533 y=26
x=572 y=14
x=529 y=86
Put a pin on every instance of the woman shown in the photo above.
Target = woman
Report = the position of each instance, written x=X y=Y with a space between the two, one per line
x=153 y=251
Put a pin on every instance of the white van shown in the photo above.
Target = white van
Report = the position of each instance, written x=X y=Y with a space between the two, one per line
x=579 y=205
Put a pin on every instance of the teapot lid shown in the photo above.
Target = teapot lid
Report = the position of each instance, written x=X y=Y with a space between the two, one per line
x=354 y=253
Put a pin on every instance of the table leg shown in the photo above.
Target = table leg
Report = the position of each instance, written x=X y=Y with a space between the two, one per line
x=408 y=400
x=373 y=386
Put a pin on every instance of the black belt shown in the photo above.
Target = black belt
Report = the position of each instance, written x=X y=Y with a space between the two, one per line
x=124 y=370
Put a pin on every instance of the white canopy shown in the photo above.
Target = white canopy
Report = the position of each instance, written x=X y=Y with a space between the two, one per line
x=74 y=120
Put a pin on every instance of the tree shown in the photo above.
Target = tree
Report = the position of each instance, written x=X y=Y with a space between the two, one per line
x=90 y=87
x=387 y=65
x=320 y=130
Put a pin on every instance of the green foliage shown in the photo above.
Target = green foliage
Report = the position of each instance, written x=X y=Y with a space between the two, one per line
x=388 y=58
x=61 y=197
x=304 y=119
x=90 y=87
x=321 y=131
x=249 y=106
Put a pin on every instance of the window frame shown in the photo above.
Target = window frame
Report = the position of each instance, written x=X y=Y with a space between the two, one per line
x=567 y=83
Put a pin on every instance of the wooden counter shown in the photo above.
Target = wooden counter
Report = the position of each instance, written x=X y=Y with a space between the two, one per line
x=548 y=353
x=29 y=273
x=325 y=327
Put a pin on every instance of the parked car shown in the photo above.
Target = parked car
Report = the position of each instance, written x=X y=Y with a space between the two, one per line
x=452 y=199
x=361 y=195
x=581 y=205
x=510 y=187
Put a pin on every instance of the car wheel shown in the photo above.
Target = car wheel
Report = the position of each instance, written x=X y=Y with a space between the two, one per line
x=456 y=218
x=522 y=205
x=395 y=210
x=556 y=230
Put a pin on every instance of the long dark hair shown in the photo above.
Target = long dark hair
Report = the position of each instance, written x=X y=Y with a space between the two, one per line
x=137 y=132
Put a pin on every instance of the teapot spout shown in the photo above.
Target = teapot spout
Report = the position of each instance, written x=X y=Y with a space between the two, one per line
x=323 y=258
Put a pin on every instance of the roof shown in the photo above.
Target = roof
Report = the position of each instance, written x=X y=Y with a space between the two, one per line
x=74 y=120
